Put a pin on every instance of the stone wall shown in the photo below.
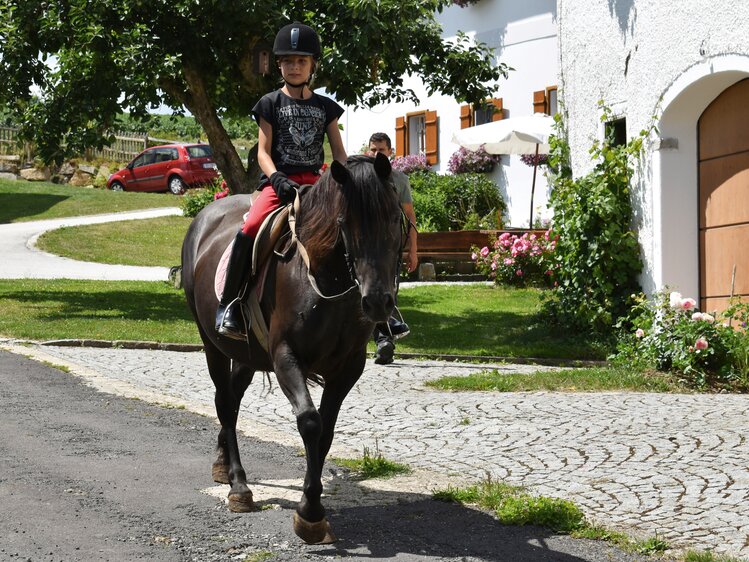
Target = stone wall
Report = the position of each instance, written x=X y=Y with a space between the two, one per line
x=72 y=172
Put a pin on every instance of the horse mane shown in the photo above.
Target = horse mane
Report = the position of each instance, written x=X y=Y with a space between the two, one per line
x=364 y=202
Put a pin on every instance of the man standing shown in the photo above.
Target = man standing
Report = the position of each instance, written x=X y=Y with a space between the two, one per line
x=385 y=336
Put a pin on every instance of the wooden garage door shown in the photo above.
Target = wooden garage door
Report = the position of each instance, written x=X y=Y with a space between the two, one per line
x=724 y=198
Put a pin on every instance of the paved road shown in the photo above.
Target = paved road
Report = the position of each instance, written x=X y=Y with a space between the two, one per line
x=86 y=475
x=672 y=464
x=21 y=258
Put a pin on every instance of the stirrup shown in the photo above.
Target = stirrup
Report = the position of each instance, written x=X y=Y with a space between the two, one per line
x=230 y=332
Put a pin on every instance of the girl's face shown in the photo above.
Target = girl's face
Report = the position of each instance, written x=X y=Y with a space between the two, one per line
x=295 y=69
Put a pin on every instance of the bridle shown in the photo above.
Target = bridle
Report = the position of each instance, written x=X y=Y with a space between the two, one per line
x=344 y=236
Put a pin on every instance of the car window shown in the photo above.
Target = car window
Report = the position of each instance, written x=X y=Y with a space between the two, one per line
x=166 y=154
x=199 y=151
x=140 y=160
x=145 y=159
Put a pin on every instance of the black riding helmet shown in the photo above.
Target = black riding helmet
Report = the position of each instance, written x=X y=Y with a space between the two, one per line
x=297 y=39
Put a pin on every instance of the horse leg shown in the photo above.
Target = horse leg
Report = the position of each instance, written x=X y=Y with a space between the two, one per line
x=333 y=396
x=310 y=523
x=230 y=386
x=241 y=377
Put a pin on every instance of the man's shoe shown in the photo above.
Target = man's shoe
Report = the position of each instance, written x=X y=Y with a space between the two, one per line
x=384 y=355
x=398 y=329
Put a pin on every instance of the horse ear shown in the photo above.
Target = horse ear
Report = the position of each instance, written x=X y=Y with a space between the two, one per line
x=340 y=172
x=382 y=166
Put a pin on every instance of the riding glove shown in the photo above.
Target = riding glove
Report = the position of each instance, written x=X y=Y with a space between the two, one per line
x=284 y=187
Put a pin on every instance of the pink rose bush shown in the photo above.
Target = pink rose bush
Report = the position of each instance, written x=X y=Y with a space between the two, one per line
x=223 y=193
x=669 y=334
x=519 y=260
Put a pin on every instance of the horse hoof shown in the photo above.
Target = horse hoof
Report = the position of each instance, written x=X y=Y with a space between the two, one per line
x=220 y=473
x=241 y=502
x=313 y=533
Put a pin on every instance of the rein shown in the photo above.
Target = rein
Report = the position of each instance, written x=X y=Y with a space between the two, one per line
x=305 y=256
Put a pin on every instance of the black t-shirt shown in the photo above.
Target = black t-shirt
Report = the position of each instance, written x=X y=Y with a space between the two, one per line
x=298 y=129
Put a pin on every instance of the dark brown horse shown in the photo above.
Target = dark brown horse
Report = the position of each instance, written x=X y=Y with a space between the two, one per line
x=350 y=224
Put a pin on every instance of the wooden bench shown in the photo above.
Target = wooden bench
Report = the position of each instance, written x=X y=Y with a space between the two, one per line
x=454 y=247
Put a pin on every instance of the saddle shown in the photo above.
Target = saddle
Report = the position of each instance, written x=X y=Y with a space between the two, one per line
x=274 y=237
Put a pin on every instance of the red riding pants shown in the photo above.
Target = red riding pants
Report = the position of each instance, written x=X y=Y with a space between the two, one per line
x=267 y=202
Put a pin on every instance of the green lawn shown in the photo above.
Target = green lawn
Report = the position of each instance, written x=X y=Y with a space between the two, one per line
x=475 y=319
x=466 y=320
x=484 y=320
x=22 y=200
x=158 y=241
x=123 y=310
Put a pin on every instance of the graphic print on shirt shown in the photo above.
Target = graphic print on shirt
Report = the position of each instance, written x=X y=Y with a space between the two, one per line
x=301 y=129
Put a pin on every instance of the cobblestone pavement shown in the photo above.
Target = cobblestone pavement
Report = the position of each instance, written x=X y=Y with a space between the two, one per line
x=672 y=464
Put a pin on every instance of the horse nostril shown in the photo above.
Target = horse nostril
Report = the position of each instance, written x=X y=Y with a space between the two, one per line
x=377 y=306
x=366 y=307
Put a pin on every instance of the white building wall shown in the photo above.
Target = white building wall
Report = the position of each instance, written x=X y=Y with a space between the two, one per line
x=667 y=59
x=524 y=35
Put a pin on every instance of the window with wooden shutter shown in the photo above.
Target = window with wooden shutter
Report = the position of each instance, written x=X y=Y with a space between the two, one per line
x=466 y=116
x=417 y=133
x=545 y=101
x=401 y=137
x=431 y=137
x=539 y=101
x=493 y=110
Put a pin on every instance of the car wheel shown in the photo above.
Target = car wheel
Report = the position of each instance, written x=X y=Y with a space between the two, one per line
x=176 y=185
x=117 y=186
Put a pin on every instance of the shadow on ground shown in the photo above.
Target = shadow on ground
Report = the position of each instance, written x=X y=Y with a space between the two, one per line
x=14 y=206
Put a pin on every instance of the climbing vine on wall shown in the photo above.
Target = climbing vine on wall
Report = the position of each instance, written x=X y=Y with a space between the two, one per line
x=598 y=254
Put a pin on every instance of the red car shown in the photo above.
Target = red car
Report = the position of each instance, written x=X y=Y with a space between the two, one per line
x=172 y=167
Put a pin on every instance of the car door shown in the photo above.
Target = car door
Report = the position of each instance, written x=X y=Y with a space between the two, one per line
x=143 y=172
x=158 y=171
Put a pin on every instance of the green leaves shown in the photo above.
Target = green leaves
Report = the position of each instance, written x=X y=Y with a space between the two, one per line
x=69 y=67
x=448 y=202
x=598 y=255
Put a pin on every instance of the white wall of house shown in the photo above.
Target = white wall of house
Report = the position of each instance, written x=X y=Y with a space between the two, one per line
x=667 y=59
x=524 y=35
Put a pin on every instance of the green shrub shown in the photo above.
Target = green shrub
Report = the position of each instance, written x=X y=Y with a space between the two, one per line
x=194 y=200
x=457 y=202
x=597 y=254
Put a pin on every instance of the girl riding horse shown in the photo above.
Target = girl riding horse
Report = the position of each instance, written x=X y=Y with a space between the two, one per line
x=292 y=124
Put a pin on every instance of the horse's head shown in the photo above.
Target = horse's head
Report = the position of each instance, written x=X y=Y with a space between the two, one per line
x=356 y=212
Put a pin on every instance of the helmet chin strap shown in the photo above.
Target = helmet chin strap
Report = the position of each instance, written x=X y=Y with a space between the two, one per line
x=301 y=86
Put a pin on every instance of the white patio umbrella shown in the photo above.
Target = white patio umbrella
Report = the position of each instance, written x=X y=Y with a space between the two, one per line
x=517 y=135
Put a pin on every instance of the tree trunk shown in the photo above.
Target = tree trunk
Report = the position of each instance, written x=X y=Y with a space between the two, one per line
x=253 y=166
x=227 y=159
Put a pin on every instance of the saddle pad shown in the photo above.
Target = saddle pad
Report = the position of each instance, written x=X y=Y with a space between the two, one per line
x=220 y=279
